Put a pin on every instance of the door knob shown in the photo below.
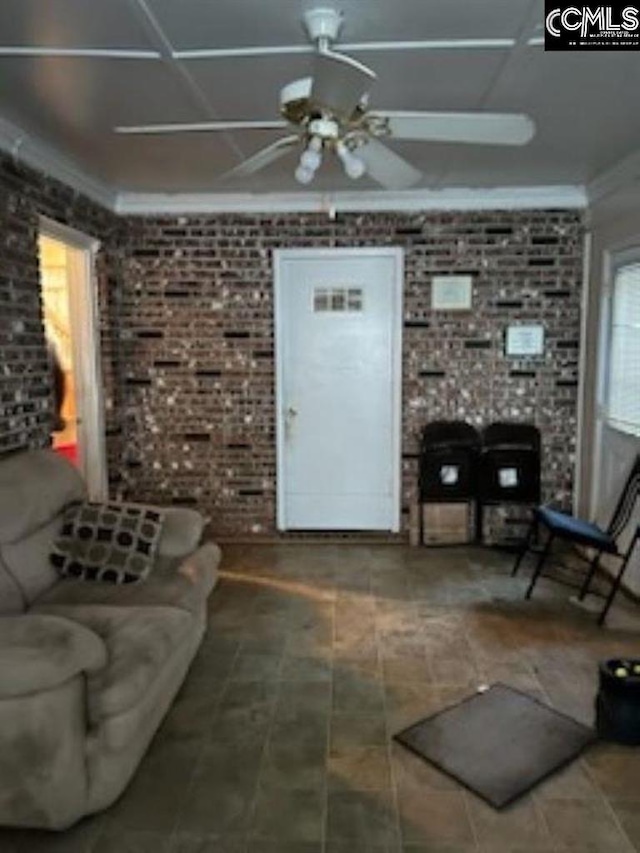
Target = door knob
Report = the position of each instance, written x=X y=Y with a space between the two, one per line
x=291 y=412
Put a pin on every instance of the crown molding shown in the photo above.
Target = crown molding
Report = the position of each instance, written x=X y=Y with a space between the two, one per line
x=619 y=177
x=20 y=145
x=498 y=198
x=30 y=150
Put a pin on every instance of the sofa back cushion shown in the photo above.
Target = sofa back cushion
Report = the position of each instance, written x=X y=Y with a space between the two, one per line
x=28 y=560
x=11 y=597
x=35 y=486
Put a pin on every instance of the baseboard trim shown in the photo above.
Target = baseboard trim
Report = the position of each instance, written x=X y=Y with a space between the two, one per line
x=314 y=539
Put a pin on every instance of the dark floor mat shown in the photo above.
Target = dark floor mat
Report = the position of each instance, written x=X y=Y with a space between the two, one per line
x=498 y=743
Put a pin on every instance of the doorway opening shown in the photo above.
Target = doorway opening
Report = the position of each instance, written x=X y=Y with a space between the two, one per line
x=54 y=279
x=69 y=309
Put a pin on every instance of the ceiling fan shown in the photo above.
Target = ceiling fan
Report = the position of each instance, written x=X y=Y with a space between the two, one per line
x=330 y=114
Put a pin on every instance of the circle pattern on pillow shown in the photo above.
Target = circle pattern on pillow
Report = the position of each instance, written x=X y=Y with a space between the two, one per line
x=113 y=543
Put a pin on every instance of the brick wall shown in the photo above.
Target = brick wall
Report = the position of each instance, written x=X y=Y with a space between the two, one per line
x=25 y=376
x=186 y=317
x=196 y=344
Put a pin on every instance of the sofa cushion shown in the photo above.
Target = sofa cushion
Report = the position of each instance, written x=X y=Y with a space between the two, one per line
x=39 y=652
x=11 y=597
x=174 y=583
x=139 y=641
x=112 y=542
x=35 y=485
x=28 y=560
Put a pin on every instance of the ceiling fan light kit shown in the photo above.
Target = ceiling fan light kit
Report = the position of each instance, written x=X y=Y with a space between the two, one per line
x=303 y=175
x=329 y=112
x=324 y=133
x=353 y=165
x=311 y=157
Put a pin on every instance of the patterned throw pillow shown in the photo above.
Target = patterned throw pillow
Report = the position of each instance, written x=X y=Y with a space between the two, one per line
x=115 y=543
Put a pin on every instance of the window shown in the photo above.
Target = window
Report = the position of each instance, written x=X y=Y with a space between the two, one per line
x=337 y=299
x=623 y=386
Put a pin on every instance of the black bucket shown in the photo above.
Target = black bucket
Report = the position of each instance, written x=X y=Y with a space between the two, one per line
x=618 y=701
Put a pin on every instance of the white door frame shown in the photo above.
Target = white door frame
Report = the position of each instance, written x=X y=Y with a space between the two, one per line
x=397 y=255
x=87 y=365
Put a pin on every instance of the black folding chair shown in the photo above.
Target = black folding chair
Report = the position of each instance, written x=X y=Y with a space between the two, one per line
x=561 y=525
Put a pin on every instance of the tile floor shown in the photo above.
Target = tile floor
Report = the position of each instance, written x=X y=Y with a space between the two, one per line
x=279 y=741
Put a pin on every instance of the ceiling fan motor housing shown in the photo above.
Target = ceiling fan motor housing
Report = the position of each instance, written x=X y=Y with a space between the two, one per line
x=295 y=100
x=323 y=24
x=329 y=112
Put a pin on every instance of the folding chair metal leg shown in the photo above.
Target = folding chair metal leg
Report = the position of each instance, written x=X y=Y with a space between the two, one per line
x=539 y=565
x=615 y=586
x=526 y=546
x=593 y=568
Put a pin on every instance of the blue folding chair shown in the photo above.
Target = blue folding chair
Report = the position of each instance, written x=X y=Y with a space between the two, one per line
x=560 y=525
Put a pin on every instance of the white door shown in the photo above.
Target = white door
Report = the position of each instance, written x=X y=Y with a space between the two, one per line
x=338 y=350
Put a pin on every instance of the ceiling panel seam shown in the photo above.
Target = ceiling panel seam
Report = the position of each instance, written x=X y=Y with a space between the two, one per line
x=352 y=47
x=519 y=45
x=80 y=52
x=160 y=40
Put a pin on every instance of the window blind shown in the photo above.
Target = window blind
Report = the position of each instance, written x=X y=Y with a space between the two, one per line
x=624 y=357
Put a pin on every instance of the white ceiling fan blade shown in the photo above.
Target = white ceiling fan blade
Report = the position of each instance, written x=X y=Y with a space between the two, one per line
x=340 y=82
x=386 y=167
x=478 y=128
x=263 y=158
x=198 y=127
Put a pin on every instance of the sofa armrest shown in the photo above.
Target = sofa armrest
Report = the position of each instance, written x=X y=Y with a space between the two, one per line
x=40 y=652
x=201 y=567
x=181 y=532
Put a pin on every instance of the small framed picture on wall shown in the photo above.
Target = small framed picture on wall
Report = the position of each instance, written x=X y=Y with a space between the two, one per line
x=451 y=292
x=522 y=341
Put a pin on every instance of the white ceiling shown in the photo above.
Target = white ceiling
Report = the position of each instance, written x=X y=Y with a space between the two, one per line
x=59 y=87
